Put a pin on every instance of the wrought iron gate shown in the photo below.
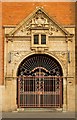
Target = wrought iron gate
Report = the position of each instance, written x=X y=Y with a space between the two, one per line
x=43 y=91
x=39 y=82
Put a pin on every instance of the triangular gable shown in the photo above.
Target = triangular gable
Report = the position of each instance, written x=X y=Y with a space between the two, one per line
x=25 y=24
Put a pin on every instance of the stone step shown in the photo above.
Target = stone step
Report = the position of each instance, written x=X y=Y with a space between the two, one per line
x=39 y=109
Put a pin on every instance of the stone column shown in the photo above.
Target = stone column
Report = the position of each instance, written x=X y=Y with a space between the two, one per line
x=64 y=94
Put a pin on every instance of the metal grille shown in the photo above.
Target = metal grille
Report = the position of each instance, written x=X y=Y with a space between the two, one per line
x=40 y=60
x=40 y=91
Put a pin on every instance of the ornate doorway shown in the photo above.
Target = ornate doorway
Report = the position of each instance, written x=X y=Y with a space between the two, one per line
x=39 y=82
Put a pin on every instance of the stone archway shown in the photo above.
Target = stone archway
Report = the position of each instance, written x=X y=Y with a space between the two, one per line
x=40 y=79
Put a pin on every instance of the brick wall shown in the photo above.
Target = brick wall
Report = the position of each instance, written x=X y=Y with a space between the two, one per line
x=1 y=47
x=62 y=12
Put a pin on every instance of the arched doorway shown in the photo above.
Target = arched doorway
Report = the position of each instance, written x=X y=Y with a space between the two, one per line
x=39 y=82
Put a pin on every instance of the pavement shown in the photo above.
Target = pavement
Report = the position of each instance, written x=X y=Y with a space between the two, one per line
x=38 y=114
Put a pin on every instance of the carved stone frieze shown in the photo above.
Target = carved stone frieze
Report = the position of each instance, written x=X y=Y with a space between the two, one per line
x=18 y=55
x=62 y=56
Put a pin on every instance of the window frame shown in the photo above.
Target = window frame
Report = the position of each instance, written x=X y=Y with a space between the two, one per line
x=39 y=45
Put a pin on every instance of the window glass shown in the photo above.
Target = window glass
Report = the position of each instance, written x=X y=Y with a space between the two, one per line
x=43 y=39
x=36 y=39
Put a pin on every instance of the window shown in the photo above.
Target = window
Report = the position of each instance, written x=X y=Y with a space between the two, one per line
x=39 y=39
x=43 y=39
x=36 y=39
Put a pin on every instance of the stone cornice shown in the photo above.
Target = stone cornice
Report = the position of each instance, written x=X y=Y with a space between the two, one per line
x=7 y=36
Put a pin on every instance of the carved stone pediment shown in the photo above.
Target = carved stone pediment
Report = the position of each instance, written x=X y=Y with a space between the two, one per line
x=38 y=20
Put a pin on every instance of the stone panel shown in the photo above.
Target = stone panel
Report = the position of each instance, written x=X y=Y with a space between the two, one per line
x=70 y=94
x=55 y=45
